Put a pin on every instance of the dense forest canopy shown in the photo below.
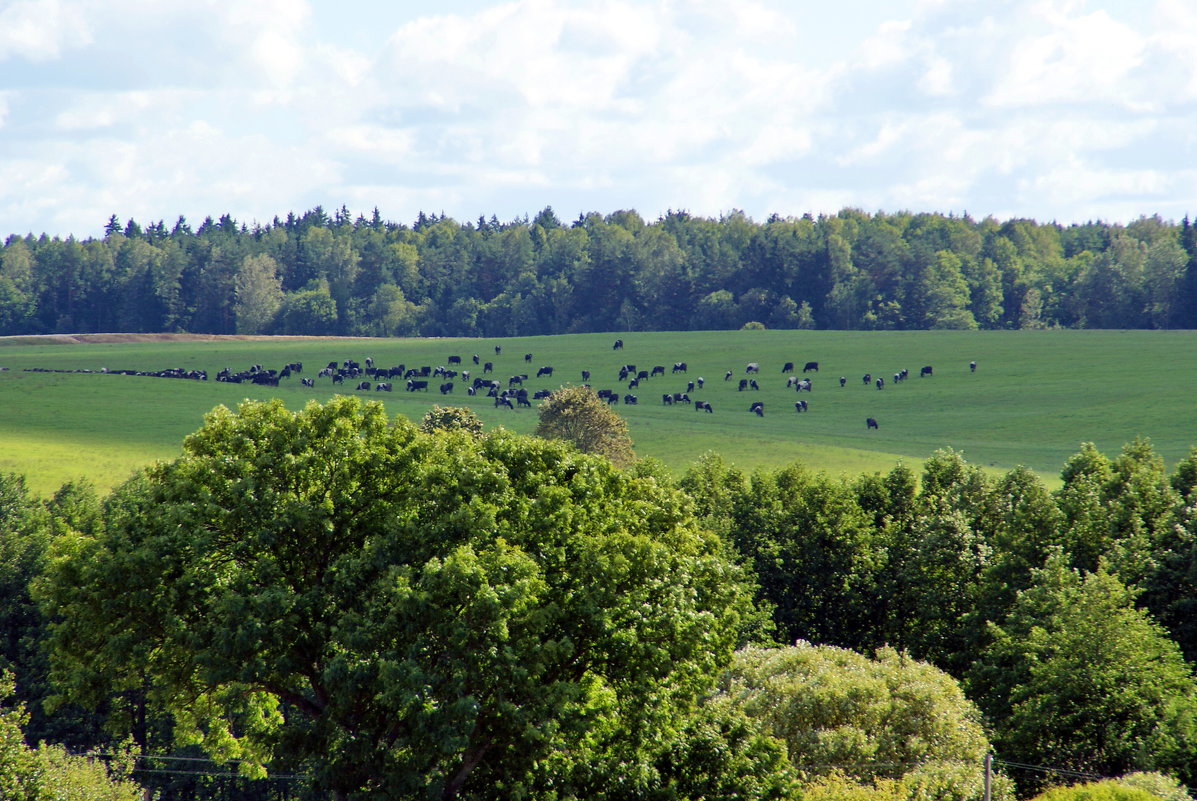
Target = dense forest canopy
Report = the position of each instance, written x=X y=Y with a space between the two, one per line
x=320 y=274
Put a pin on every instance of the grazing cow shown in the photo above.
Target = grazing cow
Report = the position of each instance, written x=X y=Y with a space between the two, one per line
x=382 y=386
x=743 y=385
x=804 y=384
x=810 y=366
x=681 y=397
x=515 y=379
x=488 y=367
x=679 y=367
x=635 y=382
x=585 y=375
x=843 y=380
x=897 y=377
x=471 y=391
x=658 y=370
x=544 y=371
x=753 y=367
x=791 y=380
x=629 y=399
x=871 y=423
x=972 y=367
x=667 y=399
x=800 y=406
x=880 y=382
x=689 y=386
x=338 y=378
x=446 y=388
x=475 y=358
x=363 y=385
x=454 y=360
x=307 y=382
x=503 y=400
x=528 y=358
x=413 y=385
x=618 y=345
x=758 y=409
x=868 y=379
x=727 y=376
x=700 y=380
x=522 y=400
x=752 y=383
x=369 y=362
x=643 y=375
x=701 y=405
x=925 y=371
x=541 y=394
x=788 y=367
x=498 y=350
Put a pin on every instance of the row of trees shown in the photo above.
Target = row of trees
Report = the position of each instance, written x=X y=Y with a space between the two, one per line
x=401 y=611
x=312 y=274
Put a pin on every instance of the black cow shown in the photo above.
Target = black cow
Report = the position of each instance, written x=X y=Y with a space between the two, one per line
x=454 y=360
x=700 y=405
x=658 y=370
x=618 y=345
x=800 y=406
x=488 y=367
x=635 y=382
x=727 y=376
x=758 y=409
x=498 y=350
x=871 y=423
x=528 y=358
x=446 y=388
x=681 y=397
x=643 y=375
x=810 y=366
x=972 y=367
x=585 y=375
x=868 y=379
x=925 y=371
x=743 y=384
x=788 y=367
x=544 y=371
x=843 y=380
x=752 y=383
x=413 y=385
x=475 y=358
x=667 y=399
x=689 y=386
x=503 y=400
x=629 y=399
x=679 y=367
x=880 y=382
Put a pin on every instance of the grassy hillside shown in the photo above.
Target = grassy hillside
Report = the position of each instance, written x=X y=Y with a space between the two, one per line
x=1035 y=396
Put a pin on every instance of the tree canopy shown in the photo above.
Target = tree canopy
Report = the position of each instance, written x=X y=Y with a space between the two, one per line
x=405 y=614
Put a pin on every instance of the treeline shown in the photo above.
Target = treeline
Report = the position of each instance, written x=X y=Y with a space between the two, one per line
x=316 y=274
x=1066 y=617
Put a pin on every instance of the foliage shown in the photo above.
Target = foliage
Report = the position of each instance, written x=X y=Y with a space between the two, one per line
x=442 y=277
x=890 y=717
x=395 y=612
x=450 y=418
x=1158 y=784
x=1106 y=790
x=49 y=773
x=578 y=416
x=1076 y=656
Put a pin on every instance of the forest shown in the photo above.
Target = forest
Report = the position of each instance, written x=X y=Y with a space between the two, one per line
x=331 y=604
x=318 y=274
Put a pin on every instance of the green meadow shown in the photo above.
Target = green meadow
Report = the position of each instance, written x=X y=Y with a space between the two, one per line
x=1034 y=398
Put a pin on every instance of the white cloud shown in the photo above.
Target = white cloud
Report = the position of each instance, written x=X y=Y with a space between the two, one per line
x=40 y=30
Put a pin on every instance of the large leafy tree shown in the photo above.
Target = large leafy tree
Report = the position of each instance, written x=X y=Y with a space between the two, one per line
x=578 y=416
x=1078 y=678
x=400 y=614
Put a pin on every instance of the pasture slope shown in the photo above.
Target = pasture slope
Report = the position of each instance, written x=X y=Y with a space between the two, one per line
x=1035 y=396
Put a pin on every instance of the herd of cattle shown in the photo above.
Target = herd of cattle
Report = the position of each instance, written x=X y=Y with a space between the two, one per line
x=365 y=376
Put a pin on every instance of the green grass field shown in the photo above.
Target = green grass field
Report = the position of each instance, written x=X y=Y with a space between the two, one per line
x=1036 y=395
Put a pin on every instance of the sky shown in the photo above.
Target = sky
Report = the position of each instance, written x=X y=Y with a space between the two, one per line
x=1060 y=110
